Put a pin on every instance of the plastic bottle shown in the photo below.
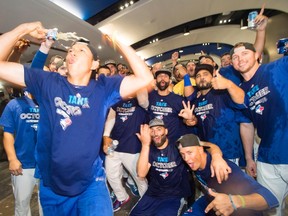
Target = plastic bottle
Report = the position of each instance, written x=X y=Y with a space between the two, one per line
x=112 y=147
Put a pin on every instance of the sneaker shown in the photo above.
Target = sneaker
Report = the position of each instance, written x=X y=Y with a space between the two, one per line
x=113 y=197
x=133 y=188
x=117 y=204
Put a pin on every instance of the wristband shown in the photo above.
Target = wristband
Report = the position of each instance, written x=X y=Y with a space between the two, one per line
x=242 y=201
x=187 y=81
x=231 y=200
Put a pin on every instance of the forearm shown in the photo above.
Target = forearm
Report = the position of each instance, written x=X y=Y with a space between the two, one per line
x=142 y=75
x=213 y=150
x=252 y=201
x=236 y=93
x=39 y=60
x=110 y=122
x=247 y=136
x=142 y=97
x=143 y=162
x=8 y=142
x=14 y=57
x=260 y=41
x=9 y=39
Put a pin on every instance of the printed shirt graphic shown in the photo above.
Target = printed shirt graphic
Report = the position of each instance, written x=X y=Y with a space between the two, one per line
x=267 y=91
x=218 y=121
x=70 y=127
x=129 y=117
x=167 y=108
x=168 y=176
x=20 y=117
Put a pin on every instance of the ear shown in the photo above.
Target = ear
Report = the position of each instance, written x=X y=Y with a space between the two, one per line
x=95 y=65
x=166 y=131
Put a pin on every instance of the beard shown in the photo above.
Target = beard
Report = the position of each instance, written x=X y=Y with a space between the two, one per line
x=162 y=87
x=162 y=141
x=204 y=85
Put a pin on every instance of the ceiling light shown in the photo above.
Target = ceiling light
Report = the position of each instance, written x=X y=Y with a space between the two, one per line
x=242 y=25
x=186 y=31
x=99 y=47
x=131 y=2
x=126 y=5
x=121 y=7
x=220 y=21
x=219 y=46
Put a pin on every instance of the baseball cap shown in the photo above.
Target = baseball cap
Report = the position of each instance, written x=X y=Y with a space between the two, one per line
x=156 y=122
x=92 y=49
x=207 y=67
x=110 y=61
x=165 y=71
x=246 y=45
x=189 y=140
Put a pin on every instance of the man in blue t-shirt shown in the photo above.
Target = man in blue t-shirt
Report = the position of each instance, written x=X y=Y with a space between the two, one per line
x=266 y=89
x=216 y=111
x=73 y=111
x=168 y=176
x=240 y=194
x=20 y=121
x=165 y=105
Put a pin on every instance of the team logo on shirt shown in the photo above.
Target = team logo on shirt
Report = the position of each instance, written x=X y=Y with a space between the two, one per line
x=66 y=110
x=203 y=117
x=124 y=118
x=164 y=175
x=259 y=109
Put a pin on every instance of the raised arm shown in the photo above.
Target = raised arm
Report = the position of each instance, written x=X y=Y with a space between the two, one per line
x=143 y=164
x=261 y=21
x=14 y=72
x=236 y=93
x=142 y=76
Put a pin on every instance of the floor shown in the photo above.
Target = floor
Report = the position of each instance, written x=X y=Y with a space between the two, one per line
x=7 y=199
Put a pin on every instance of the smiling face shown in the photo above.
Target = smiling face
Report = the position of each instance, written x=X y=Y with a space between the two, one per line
x=159 y=136
x=243 y=60
x=162 y=81
x=193 y=156
x=203 y=80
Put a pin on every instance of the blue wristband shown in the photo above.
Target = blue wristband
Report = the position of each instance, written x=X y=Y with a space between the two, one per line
x=187 y=81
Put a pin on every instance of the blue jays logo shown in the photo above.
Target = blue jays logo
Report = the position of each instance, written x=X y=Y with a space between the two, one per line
x=203 y=117
x=164 y=175
x=259 y=109
x=124 y=118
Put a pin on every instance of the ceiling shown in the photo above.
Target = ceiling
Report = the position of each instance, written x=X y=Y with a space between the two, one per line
x=163 y=21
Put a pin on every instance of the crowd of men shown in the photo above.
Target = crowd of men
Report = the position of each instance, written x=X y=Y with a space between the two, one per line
x=175 y=128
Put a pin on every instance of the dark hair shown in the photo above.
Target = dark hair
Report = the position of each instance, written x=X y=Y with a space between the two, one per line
x=55 y=56
x=224 y=54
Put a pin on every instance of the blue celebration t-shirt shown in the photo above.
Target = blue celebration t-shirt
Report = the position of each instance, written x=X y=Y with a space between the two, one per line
x=20 y=117
x=168 y=175
x=167 y=108
x=267 y=91
x=129 y=117
x=218 y=121
x=71 y=127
